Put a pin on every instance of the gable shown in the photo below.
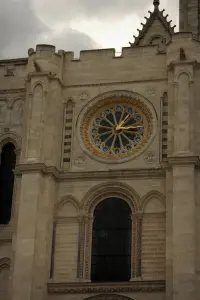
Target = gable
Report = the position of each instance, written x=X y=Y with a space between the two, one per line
x=156 y=31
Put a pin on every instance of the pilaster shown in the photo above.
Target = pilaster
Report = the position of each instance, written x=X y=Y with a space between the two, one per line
x=32 y=255
x=184 y=227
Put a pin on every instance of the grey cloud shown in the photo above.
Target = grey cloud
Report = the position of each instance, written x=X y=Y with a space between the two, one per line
x=67 y=10
x=72 y=40
x=20 y=29
x=18 y=26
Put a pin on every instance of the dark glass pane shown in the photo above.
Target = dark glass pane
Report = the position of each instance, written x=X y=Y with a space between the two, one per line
x=8 y=161
x=118 y=116
x=111 y=244
x=125 y=141
x=111 y=118
x=109 y=141
x=106 y=123
x=117 y=143
x=103 y=130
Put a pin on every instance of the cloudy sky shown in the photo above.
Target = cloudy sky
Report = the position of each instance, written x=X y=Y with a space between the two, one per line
x=73 y=25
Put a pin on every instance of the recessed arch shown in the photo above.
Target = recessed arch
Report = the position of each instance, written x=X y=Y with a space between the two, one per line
x=109 y=190
x=111 y=241
x=19 y=98
x=68 y=199
x=39 y=84
x=183 y=72
x=11 y=137
x=146 y=198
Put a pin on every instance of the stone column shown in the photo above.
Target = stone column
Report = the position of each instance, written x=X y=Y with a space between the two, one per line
x=184 y=228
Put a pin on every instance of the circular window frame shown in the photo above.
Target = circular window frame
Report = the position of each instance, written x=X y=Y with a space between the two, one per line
x=102 y=100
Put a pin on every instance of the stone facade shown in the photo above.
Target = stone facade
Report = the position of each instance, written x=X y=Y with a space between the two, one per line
x=45 y=250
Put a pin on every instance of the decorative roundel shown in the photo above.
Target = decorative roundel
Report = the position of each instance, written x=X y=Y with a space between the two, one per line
x=116 y=128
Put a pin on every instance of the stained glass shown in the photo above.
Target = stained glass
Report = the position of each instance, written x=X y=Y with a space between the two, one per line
x=118 y=129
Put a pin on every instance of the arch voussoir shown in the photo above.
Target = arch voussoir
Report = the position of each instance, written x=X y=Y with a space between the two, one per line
x=108 y=190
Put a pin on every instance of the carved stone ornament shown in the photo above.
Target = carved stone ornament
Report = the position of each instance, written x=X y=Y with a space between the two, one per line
x=105 y=290
x=150 y=157
x=83 y=96
x=150 y=92
x=81 y=160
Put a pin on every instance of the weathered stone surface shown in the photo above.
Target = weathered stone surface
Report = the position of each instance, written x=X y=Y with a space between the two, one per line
x=45 y=251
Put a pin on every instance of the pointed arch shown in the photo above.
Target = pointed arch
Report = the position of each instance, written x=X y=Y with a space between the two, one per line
x=158 y=195
x=65 y=249
x=153 y=228
x=183 y=72
x=107 y=190
x=11 y=137
x=38 y=84
x=65 y=200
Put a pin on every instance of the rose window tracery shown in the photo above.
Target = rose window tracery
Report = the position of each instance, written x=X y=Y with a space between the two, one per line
x=117 y=128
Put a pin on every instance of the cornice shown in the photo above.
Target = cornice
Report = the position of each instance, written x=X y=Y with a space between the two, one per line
x=184 y=160
x=174 y=63
x=16 y=61
x=119 y=287
x=12 y=91
x=115 y=82
x=49 y=75
x=89 y=175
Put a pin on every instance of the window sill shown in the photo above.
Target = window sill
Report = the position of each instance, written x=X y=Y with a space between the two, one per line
x=61 y=287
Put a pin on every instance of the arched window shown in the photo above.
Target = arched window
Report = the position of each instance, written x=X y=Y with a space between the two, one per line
x=8 y=161
x=111 y=241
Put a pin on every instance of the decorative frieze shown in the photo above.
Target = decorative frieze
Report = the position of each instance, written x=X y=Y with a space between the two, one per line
x=119 y=287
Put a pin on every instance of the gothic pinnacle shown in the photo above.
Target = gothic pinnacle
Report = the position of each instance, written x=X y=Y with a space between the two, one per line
x=156 y=3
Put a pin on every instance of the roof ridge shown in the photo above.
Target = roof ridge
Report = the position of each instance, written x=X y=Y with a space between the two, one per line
x=157 y=13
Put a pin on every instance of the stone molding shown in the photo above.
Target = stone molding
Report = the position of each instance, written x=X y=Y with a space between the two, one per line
x=184 y=160
x=11 y=137
x=107 y=190
x=114 y=83
x=119 y=287
x=13 y=91
x=89 y=175
x=108 y=297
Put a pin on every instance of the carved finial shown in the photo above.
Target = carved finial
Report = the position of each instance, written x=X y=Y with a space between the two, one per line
x=156 y=3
